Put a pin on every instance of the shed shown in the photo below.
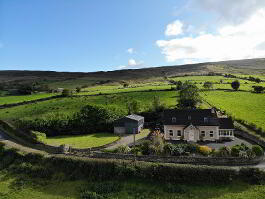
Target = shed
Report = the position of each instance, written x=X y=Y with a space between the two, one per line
x=129 y=124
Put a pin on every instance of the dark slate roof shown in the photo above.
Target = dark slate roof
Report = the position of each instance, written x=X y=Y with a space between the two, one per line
x=197 y=117
x=226 y=123
x=135 y=117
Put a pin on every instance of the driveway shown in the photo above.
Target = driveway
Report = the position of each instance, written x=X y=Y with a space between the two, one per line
x=236 y=141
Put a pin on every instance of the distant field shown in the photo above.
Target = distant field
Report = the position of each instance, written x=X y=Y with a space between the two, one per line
x=243 y=105
x=69 y=106
x=22 y=98
x=82 y=141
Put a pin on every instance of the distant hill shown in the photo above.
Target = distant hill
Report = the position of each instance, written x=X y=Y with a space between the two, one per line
x=60 y=79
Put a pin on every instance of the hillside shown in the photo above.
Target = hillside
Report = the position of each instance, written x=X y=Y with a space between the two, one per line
x=72 y=79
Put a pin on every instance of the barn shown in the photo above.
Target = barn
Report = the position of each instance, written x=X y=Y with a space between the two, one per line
x=129 y=124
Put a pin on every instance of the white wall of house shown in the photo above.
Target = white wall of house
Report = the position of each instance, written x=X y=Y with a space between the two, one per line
x=211 y=133
x=169 y=129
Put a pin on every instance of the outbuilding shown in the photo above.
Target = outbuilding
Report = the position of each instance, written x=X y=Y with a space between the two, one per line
x=129 y=124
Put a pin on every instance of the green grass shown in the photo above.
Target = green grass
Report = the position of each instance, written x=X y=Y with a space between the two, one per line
x=23 y=98
x=242 y=105
x=71 y=105
x=59 y=189
x=82 y=141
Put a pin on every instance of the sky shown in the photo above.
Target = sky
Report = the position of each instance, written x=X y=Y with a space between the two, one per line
x=103 y=35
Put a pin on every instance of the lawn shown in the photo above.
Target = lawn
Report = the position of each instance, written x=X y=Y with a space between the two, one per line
x=71 y=105
x=82 y=141
x=242 y=105
x=23 y=98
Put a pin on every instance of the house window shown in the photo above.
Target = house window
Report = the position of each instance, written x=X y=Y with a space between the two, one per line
x=203 y=133
x=189 y=117
x=170 y=132
x=179 y=133
x=231 y=133
x=205 y=120
x=174 y=119
x=211 y=133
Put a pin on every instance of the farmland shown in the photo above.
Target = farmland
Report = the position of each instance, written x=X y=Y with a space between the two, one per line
x=242 y=105
x=24 y=98
x=71 y=105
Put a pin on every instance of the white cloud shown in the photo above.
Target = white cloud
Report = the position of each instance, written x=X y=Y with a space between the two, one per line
x=130 y=50
x=132 y=63
x=245 y=40
x=174 y=29
x=231 y=11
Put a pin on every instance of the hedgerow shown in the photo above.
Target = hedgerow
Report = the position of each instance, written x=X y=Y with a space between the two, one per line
x=35 y=165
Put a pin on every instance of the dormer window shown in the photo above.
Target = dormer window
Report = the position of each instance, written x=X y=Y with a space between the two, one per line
x=174 y=119
x=205 y=120
x=189 y=117
x=213 y=111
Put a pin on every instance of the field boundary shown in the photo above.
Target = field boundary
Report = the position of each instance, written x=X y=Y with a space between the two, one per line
x=215 y=161
x=29 y=102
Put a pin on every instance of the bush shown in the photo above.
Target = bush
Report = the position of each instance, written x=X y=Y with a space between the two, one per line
x=257 y=150
x=224 y=151
x=252 y=175
x=123 y=149
x=205 y=150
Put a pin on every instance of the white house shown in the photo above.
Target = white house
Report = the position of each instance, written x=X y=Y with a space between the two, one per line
x=196 y=125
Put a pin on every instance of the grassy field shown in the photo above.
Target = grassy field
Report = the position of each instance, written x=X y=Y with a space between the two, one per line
x=242 y=105
x=69 y=106
x=23 y=98
x=81 y=141
x=15 y=187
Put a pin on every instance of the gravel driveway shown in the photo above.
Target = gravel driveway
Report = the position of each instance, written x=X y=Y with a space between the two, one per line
x=236 y=141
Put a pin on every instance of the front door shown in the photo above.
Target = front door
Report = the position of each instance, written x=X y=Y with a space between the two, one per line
x=191 y=135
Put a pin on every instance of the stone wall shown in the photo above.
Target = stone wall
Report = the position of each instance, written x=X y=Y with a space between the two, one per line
x=221 y=161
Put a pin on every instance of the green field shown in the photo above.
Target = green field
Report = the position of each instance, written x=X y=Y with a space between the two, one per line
x=82 y=141
x=18 y=187
x=242 y=105
x=23 y=98
x=69 y=106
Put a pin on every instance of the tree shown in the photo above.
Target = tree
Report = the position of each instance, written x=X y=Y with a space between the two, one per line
x=78 y=89
x=125 y=85
x=258 y=89
x=208 y=85
x=157 y=106
x=179 y=85
x=235 y=85
x=66 y=92
x=189 y=96
x=25 y=89
x=133 y=106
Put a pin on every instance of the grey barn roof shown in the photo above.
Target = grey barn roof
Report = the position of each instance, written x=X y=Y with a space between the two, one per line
x=135 y=117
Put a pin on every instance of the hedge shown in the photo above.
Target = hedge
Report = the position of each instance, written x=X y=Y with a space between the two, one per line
x=36 y=165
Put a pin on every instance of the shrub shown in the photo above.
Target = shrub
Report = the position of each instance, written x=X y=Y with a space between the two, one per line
x=168 y=149
x=224 y=151
x=123 y=149
x=257 y=150
x=145 y=147
x=252 y=175
x=235 y=85
x=105 y=187
x=205 y=150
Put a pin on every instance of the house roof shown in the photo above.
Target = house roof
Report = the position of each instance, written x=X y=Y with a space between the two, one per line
x=197 y=117
x=135 y=117
x=226 y=123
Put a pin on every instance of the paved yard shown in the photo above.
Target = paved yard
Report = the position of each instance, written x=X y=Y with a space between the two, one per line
x=227 y=143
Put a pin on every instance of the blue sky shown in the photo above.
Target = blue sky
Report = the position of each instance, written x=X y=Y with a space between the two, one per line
x=97 y=35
